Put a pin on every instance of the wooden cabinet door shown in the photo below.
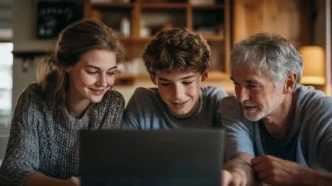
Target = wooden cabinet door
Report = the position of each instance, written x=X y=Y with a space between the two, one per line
x=284 y=19
x=275 y=16
x=249 y=18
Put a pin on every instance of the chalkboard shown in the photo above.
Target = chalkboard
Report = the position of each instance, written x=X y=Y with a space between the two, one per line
x=52 y=17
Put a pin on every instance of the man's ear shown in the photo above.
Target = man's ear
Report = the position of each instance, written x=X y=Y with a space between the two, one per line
x=153 y=79
x=205 y=73
x=290 y=83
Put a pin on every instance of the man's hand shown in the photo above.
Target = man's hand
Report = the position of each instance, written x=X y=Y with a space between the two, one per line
x=273 y=170
x=235 y=177
x=237 y=171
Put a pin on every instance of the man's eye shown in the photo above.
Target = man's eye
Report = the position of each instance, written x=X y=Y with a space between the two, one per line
x=253 y=86
x=164 y=84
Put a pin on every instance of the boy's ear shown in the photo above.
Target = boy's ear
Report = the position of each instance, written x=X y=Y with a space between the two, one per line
x=67 y=69
x=205 y=74
x=153 y=79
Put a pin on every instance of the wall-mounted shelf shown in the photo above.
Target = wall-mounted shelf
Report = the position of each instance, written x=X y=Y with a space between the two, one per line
x=27 y=57
x=164 y=5
x=213 y=76
x=149 y=38
x=110 y=5
x=29 y=54
x=208 y=7
x=313 y=80
x=147 y=17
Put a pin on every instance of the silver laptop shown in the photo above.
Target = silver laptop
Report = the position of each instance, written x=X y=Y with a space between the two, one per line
x=151 y=158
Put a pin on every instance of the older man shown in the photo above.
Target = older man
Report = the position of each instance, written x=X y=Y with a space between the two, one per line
x=278 y=131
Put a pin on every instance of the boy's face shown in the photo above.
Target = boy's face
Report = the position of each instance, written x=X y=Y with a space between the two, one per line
x=180 y=91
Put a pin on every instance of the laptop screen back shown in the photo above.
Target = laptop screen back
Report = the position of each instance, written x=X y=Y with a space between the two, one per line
x=163 y=157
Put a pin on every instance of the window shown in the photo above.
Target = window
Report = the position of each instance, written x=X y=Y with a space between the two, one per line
x=6 y=82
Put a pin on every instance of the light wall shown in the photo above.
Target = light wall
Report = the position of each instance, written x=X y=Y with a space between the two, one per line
x=320 y=34
x=24 y=23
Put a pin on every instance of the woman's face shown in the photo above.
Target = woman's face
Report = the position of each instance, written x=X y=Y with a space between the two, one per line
x=92 y=76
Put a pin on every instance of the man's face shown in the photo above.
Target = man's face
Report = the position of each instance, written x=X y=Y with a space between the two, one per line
x=180 y=91
x=256 y=92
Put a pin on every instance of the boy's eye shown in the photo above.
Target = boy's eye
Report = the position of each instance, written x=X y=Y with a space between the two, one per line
x=164 y=84
x=187 y=82
x=236 y=84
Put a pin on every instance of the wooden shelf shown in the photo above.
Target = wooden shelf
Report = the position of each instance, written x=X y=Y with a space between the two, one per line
x=153 y=15
x=29 y=54
x=164 y=5
x=112 y=5
x=313 y=80
x=146 y=39
x=213 y=75
x=207 y=7
x=134 y=39
x=214 y=38
x=134 y=76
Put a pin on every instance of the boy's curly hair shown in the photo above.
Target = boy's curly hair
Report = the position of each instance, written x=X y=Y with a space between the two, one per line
x=177 y=50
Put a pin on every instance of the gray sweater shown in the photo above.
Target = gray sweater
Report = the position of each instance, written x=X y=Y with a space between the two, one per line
x=146 y=110
x=44 y=138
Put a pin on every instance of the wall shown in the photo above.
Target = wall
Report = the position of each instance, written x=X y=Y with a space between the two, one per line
x=5 y=20
x=24 y=40
x=320 y=30
x=319 y=33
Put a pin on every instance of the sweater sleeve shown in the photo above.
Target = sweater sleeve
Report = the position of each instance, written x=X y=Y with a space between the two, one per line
x=22 y=154
x=321 y=122
x=239 y=131
x=115 y=108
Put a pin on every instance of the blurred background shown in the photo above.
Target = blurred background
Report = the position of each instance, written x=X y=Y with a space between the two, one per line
x=27 y=28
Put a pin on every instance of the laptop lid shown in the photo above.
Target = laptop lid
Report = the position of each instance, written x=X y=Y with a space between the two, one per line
x=154 y=157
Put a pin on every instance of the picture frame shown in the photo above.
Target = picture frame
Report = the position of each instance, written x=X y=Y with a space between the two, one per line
x=52 y=17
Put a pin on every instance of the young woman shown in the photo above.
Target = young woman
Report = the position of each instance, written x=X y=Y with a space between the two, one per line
x=75 y=93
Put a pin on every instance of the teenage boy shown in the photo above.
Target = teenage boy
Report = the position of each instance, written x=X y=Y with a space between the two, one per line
x=178 y=60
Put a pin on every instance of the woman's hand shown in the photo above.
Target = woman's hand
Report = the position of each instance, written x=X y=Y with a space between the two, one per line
x=73 y=181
